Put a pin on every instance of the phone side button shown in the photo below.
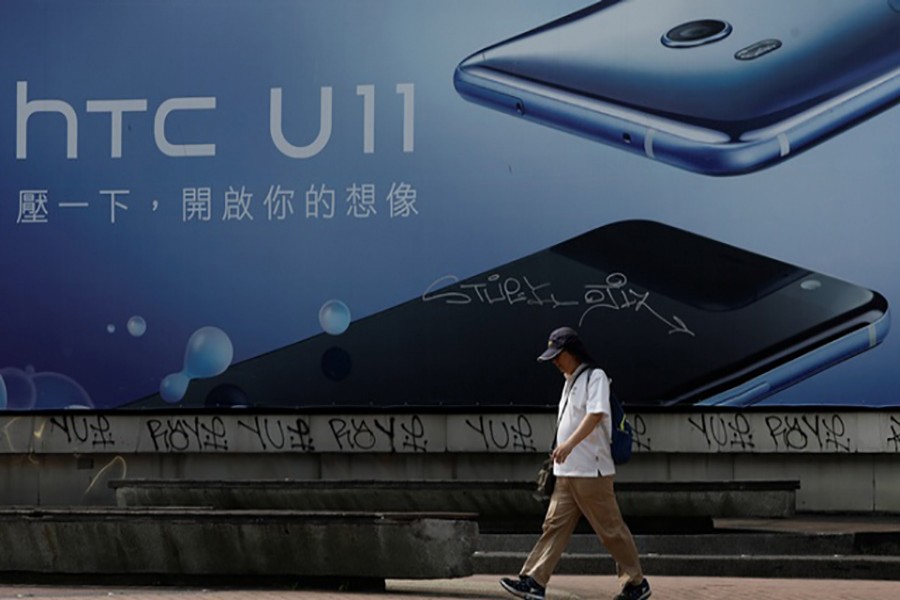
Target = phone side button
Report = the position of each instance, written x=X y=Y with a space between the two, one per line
x=873 y=336
x=747 y=396
x=784 y=145
x=648 y=143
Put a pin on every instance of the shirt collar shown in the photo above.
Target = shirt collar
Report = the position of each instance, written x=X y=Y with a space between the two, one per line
x=570 y=379
x=578 y=371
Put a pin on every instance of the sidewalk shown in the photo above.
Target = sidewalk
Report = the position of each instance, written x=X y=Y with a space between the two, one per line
x=563 y=587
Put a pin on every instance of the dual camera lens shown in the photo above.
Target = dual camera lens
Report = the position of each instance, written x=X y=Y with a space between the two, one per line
x=696 y=33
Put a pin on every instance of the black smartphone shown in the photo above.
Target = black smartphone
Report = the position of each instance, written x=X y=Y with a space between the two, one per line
x=672 y=317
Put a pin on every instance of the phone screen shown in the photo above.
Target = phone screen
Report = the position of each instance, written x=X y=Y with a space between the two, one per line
x=672 y=317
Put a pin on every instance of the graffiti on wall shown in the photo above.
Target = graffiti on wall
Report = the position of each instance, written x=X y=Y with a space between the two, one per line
x=704 y=432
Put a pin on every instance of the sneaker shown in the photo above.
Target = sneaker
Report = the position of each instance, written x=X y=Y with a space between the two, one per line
x=523 y=587
x=640 y=591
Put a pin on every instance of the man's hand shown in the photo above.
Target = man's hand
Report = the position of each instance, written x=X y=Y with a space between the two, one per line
x=562 y=452
x=587 y=425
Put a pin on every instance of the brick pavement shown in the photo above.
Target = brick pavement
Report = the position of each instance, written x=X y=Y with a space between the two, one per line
x=563 y=587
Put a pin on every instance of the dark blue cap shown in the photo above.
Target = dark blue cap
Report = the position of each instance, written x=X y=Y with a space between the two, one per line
x=558 y=341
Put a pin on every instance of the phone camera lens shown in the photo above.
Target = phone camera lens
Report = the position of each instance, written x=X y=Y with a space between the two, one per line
x=696 y=33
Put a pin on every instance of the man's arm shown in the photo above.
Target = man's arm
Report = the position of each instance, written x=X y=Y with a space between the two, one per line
x=584 y=429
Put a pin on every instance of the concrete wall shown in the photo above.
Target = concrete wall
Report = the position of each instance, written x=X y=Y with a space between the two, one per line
x=174 y=545
x=845 y=461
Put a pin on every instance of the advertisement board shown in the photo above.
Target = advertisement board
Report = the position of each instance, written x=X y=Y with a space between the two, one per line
x=352 y=204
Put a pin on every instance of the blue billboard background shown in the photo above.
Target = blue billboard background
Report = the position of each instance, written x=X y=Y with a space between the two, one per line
x=111 y=259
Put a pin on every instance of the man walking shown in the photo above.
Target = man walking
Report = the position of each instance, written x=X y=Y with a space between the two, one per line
x=584 y=469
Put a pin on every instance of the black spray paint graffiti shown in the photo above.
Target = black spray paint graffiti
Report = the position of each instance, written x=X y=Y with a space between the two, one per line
x=364 y=433
x=498 y=434
x=182 y=434
x=502 y=433
x=809 y=432
x=894 y=440
x=275 y=434
x=640 y=440
x=724 y=431
x=80 y=430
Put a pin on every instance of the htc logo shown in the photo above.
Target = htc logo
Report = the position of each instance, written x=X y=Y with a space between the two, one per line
x=27 y=108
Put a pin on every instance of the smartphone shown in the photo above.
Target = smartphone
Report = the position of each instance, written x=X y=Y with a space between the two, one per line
x=674 y=318
x=719 y=87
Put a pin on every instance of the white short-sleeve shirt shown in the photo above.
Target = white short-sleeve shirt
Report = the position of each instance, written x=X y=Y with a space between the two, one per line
x=592 y=457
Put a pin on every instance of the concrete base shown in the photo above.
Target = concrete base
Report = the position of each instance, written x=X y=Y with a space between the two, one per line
x=804 y=554
x=180 y=544
x=499 y=504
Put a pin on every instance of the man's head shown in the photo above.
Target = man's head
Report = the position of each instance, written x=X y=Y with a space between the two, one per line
x=565 y=349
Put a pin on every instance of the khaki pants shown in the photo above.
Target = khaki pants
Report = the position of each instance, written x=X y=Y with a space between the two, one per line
x=595 y=498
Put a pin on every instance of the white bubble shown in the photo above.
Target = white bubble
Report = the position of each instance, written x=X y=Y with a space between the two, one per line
x=137 y=326
x=111 y=328
x=334 y=317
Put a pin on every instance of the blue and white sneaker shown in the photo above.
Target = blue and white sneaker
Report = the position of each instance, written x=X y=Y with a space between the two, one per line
x=524 y=587
x=631 y=591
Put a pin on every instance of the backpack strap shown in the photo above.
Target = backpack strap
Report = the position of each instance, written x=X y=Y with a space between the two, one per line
x=578 y=374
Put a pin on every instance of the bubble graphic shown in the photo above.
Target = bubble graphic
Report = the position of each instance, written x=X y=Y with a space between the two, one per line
x=27 y=389
x=336 y=364
x=20 y=391
x=55 y=390
x=209 y=352
x=173 y=387
x=226 y=396
x=137 y=326
x=334 y=317
x=111 y=328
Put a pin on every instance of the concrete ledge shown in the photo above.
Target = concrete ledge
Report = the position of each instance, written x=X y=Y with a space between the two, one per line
x=183 y=543
x=493 y=501
x=712 y=499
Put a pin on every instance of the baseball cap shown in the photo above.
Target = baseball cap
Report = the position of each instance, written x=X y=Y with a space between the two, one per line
x=557 y=342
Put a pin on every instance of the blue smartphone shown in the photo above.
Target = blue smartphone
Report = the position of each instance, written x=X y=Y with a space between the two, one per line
x=719 y=87
x=674 y=318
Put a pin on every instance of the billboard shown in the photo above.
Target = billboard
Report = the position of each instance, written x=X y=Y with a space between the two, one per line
x=358 y=204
